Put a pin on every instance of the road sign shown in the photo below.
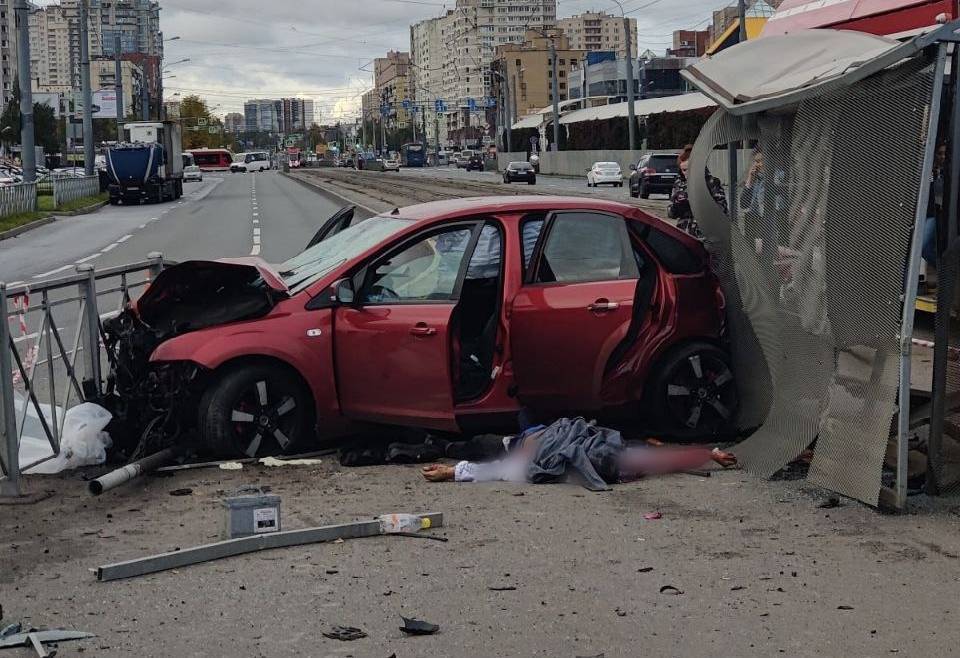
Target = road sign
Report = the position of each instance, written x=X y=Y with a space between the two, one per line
x=472 y=104
x=440 y=105
x=490 y=101
x=201 y=121
x=213 y=130
x=406 y=104
x=385 y=110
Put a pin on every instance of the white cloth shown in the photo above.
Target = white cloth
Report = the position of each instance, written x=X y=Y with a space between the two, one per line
x=513 y=468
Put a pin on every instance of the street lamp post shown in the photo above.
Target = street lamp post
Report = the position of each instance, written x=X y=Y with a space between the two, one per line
x=628 y=43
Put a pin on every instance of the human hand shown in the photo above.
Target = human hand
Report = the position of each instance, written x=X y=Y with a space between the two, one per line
x=438 y=473
x=724 y=458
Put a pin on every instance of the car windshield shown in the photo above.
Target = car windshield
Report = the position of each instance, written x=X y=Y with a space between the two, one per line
x=302 y=270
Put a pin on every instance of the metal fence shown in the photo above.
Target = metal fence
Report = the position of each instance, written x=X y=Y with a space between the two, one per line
x=71 y=188
x=15 y=199
x=51 y=352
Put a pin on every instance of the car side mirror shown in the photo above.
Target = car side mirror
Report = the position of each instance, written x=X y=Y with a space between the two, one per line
x=633 y=167
x=343 y=292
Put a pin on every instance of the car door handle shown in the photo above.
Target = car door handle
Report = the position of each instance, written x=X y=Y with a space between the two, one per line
x=421 y=329
x=603 y=305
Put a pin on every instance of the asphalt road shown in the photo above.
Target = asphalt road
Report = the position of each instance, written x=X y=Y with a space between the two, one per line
x=227 y=215
x=555 y=184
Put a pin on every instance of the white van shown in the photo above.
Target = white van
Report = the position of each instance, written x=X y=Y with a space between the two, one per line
x=252 y=161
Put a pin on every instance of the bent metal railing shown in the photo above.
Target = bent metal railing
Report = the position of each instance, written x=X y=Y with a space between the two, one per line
x=50 y=333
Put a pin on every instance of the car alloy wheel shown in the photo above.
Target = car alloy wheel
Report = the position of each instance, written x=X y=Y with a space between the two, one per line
x=698 y=394
x=254 y=409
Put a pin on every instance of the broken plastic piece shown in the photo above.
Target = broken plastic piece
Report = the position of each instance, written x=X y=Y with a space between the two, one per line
x=653 y=516
x=23 y=639
x=273 y=461
x=418 y=627
x=670 y=589
x=344 y=633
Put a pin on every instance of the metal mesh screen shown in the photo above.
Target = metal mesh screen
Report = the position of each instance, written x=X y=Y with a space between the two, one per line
x=813 y=269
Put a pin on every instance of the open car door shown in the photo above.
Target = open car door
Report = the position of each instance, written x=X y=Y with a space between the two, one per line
x=340 y=220
x=393 y=348
x=575 y=307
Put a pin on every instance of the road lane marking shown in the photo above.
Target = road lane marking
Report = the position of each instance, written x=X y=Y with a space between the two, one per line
x=256 y=221
x=256 y=214
x=91 y=257
x=124 y=238
x=110 y=247
x=52 y=272
x=256 y=233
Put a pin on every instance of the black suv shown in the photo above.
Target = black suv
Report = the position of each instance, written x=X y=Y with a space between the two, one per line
x=475 y=163
x=520 y=171
x=655 y=173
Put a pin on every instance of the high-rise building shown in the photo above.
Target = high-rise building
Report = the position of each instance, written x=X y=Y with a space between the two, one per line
x=468 y=37
x=234 y=122
x=55 y=40
x=8 y=50
x=598 y=30
x=429 y=54
x=391 y=79
x=262 y=115
x=528 y=68
x=309 y=113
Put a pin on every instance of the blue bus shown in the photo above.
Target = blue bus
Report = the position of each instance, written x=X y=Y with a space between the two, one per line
x=413 y=155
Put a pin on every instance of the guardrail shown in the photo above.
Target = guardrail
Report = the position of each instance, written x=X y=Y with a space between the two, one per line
x=44 y=331
x=71 y=188
x=18 y=198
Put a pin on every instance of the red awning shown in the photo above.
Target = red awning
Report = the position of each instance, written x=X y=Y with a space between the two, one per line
x=881 y=17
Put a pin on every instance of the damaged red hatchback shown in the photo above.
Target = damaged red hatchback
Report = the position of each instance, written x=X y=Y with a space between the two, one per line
x=448 y=316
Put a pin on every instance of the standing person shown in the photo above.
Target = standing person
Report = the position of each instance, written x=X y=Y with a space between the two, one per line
x=931 y=246
x=680 y=199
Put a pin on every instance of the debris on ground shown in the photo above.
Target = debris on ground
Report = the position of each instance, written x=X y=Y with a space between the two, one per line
x=653 y=516
x=504 y=588
x=33 y=636
x=230 y=466
x=185 y=491
x=252 y=544
x=273 y=461
x=344 y=633
x=83 y=441
x=418 y=627
x=670 y=589
x=830 y=503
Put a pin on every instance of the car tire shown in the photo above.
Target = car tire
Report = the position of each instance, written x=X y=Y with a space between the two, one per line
x=233 y=406
x=643 y=192
x=633 y=192
x=532 y=181
x=692 y=392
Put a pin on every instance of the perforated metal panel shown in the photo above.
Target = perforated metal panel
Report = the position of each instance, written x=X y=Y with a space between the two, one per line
x=813 y=268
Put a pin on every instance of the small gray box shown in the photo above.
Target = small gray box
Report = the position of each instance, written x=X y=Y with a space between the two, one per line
x=254 y=514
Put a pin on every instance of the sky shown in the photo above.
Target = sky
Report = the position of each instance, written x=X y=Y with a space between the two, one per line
x=323 y=49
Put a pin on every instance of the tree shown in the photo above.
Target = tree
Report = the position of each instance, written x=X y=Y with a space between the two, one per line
x=45 y=128
x=197 y=121
x=314 y=137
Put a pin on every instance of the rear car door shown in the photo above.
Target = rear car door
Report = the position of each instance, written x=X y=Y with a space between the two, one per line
x=575 y=307
x=393 y=350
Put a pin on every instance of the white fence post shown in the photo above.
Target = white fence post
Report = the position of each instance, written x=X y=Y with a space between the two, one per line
x=71 y=188
x=15 y=199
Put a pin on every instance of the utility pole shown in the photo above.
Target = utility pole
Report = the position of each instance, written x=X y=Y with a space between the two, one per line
x=556 y=94
x=88 y=152
x=436 y=137
x=28 y=153
x=743 y=20
x=513 y=97
x=118 y=85
x=631 y=112
x=144 y=97
x=423 y=117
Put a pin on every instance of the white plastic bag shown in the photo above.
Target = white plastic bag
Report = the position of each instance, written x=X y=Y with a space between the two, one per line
x=83 y=442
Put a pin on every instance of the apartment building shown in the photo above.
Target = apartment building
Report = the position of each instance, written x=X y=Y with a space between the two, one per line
x=391 y=79
x=598 y=30
x=234 y=122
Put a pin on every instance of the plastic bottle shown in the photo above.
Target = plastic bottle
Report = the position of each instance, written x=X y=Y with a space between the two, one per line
x=392 y=524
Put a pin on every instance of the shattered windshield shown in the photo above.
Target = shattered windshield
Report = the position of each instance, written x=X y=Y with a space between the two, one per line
x=320 y=259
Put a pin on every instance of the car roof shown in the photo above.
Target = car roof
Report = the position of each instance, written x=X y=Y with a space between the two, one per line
x=425 y=212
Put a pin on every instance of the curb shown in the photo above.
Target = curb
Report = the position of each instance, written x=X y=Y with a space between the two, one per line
x=49 y=219
x=323 y=190
x=37 y=223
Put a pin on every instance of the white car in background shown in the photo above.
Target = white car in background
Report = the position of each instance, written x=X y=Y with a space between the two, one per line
x=249 y=162
x=604 y=173
x=391 y=164
x=191 y=171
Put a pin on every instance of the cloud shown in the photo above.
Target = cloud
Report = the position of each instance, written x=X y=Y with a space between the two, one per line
x=321 y=49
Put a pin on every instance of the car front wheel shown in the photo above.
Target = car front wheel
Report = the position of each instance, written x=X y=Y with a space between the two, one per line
x=256 y=408
x=693 y=392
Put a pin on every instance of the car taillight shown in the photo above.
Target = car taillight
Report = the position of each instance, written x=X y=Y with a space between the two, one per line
x=648 y=170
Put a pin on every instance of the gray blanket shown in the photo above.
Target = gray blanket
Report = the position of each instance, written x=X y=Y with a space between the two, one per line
x=574 y=444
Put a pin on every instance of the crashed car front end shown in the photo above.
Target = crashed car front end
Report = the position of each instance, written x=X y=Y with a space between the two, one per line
x=154 y=402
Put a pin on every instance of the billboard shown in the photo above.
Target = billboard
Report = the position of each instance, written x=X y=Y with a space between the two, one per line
x=104 y=104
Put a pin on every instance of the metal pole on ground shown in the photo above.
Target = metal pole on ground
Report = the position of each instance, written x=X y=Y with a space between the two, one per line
x=118 y=85
x=556 y=95
x=28 y=153
x=88 y=152
x=9 y=486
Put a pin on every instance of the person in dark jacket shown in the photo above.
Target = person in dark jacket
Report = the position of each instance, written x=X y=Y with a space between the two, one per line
x=680 y=199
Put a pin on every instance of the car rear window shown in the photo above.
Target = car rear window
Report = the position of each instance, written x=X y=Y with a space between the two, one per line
x=664 y=163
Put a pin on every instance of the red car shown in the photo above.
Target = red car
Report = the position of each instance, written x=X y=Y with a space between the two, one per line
x=449 y=316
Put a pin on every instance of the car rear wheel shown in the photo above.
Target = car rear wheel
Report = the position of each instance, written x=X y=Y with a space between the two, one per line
x=255 y=408
x=694 y=393
x=644 y=193
x=532 y=181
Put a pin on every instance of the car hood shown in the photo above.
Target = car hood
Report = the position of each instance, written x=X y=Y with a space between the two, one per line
x=202 y=293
